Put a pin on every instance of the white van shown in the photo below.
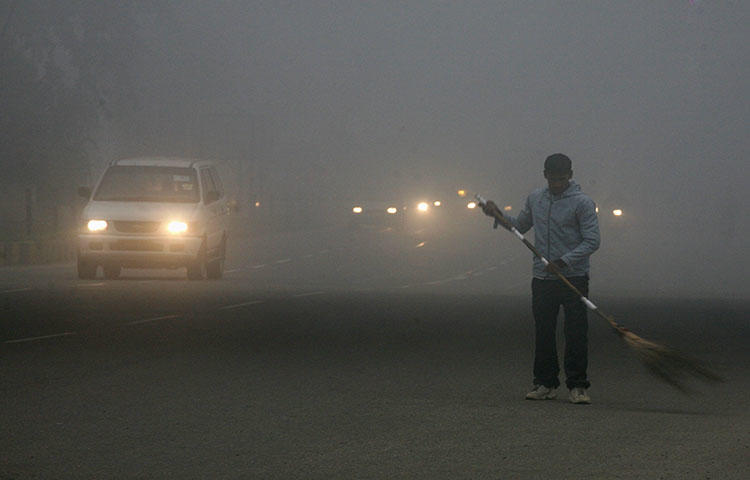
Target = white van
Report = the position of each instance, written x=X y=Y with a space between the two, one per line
x=154 y=212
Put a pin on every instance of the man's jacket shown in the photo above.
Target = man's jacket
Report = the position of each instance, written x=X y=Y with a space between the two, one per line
x=565 y=227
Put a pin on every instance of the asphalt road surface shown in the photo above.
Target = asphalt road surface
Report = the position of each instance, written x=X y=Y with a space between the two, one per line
x=341 y=353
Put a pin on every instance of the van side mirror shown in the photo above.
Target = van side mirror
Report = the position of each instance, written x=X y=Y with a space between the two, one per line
x=212 y=196
x=84 y=192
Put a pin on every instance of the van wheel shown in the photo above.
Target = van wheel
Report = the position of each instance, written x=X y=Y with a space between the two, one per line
x=112 y=271
x=215 y=269
x=86 y=269
x=197 y=270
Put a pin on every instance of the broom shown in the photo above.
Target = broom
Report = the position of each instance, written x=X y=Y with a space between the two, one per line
x=663 y=362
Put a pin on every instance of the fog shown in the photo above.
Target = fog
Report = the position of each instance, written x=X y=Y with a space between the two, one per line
x=312 y=102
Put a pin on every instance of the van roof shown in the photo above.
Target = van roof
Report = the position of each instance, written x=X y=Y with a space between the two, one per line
x=161 y=162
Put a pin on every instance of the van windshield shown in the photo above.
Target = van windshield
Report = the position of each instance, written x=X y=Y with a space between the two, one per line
x=148 y=184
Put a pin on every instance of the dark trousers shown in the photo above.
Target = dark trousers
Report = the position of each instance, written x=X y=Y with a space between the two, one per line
x=547 y=297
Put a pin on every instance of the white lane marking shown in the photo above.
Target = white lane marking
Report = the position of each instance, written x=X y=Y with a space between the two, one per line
x=309 y=255
x=309 y=294
x=324 y=251
x=283 y=260
x=258 y=266
x=31 y=339
x=492 y=268
x=435 y=282
x=238 y=305
x=154 y=319
x=13 y=290
x=232 y=271
x=404 y=286
x=82 y=285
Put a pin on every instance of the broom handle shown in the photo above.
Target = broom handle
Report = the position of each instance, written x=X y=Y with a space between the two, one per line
x=504 y=222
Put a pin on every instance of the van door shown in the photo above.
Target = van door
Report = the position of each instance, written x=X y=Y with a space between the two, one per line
x=214 y=207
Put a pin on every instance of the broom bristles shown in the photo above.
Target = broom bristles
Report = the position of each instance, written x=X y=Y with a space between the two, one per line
x=668 y=364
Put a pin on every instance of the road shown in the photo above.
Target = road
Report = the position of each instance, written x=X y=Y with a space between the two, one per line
x=341 y=353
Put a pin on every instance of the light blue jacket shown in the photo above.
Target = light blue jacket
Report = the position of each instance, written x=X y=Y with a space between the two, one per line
x=565 y=227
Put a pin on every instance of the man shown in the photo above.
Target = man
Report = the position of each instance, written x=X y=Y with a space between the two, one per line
x=566 y=232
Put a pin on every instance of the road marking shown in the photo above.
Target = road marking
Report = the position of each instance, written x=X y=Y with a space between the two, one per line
x=232 y=271
x=258 y=266
x=154 y=319
x=309 y=294
x=31 y=339
x=13 y=290
x=82 y=285
x=238 y=305
x=283 y=260
x=309 y=255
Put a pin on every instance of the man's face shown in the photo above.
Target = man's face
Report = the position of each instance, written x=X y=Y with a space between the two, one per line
x=558 y=182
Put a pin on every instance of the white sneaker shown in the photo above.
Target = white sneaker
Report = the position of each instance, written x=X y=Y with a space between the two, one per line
x=540 y=392
x=578 y=395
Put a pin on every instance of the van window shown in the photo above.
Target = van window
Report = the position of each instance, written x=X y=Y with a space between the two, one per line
x=148 y=184
x=207 y=183
x=217 y=181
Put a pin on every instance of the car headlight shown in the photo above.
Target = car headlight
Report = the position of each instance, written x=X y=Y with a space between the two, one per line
x=471 y=205
x=97 y=225
x=391 y=210
x=423 y=207
x=177 y=227
x=617 y=212
x=357 y=209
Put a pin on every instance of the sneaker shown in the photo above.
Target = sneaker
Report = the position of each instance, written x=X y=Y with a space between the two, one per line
x=578 y=395
x=540 y=392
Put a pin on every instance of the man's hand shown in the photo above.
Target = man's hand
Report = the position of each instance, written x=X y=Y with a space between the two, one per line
x=557 y=263
x=490 y=208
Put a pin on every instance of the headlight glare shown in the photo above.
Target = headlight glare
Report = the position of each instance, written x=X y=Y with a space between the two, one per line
x=177 y=227
x=97 y=225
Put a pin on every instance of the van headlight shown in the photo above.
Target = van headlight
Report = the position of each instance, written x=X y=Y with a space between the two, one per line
x=96 y=225
x=177 y=227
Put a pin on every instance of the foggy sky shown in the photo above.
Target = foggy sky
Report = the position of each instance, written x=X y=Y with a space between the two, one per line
x=650 y=97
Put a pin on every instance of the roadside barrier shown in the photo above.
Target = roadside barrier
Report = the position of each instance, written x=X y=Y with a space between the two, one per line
x=37 y=252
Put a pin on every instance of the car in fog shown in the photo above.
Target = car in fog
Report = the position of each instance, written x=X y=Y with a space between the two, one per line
x=411 y=213
x=377 y=214
x=154 y=212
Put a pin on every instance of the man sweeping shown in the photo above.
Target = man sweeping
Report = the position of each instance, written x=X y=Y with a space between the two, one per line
x=566 y=231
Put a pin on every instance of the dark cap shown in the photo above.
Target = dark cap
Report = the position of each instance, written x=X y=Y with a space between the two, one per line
x=558 y=163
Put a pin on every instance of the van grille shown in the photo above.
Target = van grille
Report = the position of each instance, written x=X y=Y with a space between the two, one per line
x=136 y=245
x=136 y=227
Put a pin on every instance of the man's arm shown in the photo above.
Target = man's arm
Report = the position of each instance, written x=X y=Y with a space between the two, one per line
x=588 y=223
x=524 y=221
